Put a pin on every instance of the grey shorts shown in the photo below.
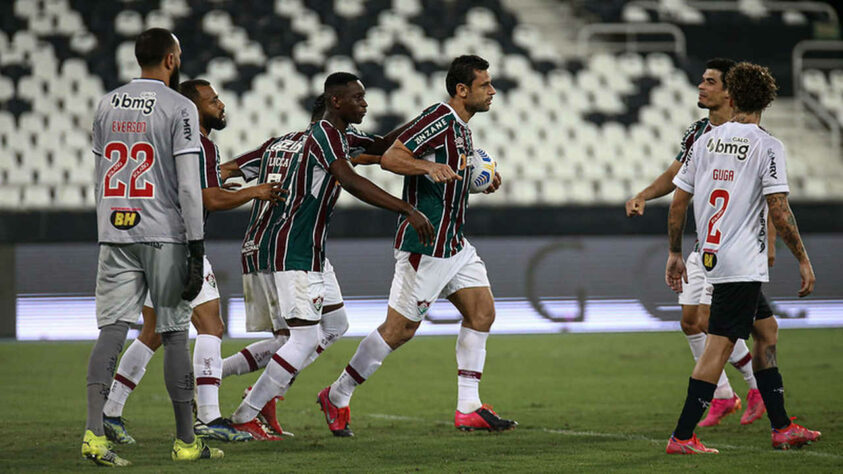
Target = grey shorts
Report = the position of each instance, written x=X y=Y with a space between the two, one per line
x=126 y=272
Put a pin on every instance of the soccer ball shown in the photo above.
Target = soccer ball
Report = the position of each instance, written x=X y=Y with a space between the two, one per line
x=482 y=171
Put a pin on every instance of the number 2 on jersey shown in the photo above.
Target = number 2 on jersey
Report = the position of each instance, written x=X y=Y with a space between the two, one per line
x=719 y=199
x=139 y=151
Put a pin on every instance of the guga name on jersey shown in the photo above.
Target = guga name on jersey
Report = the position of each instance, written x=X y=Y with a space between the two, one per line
x=737 y=146
x=145 y=102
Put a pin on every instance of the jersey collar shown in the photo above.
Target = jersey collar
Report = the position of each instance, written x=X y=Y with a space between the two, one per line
x=460 y=120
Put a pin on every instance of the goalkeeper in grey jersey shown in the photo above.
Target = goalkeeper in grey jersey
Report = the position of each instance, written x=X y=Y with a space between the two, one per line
x=149 y=222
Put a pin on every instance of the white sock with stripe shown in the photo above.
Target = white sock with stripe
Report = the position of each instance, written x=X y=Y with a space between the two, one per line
x=369 y=357
x=252 y=357
x=741 y=359
x=129 y=374
x=285 y=364
x=471 y=357
x=697 y=344
x=207 y=368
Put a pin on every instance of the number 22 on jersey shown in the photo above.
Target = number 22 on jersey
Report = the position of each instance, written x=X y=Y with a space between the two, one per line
x=719 y=198
x=141 y=152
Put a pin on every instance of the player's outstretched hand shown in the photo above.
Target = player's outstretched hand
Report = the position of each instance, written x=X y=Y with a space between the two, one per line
x=635 y=207
x=496 y=183
x=423 y=227
x=271 y=192
x=442 y=173
x=806 y=271
x=675 y=272
x=195 y=267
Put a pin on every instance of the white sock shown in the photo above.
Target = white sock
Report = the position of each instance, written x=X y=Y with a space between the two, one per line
x=369 y=356
x=697 y=343
x=252 y=357
x=724 y=389
x=741 y=359
x=287 y=362
x=471 y=356
x=129 y=374
x=207 y=367
x=331 y=328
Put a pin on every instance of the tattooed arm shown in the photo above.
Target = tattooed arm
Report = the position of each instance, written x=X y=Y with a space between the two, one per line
x=785 y=224
x=675 y=272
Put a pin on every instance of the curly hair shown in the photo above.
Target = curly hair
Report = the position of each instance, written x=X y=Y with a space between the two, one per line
x=751 y=87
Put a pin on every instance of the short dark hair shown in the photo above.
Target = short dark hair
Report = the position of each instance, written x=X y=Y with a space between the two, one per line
x=338 y=79
x=318 y=109
x=751 y=87
x=188 y=88
x=721 y=64
x=153 y=45
x=462 y=72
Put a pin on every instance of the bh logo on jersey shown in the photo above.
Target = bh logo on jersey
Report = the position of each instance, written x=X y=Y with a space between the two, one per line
x=423 y=306
x=709 y=260
x=124 y=219
x=738 y=146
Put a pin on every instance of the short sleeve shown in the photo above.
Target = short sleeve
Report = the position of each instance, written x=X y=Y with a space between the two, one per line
x=684 y=179
x=97 y=133
x=185 y=128
x=209 y=164
x=428 y=131
x=773 y=168
x=687 y=142
x=329 y=144
x=250 y=162
x=358 y=141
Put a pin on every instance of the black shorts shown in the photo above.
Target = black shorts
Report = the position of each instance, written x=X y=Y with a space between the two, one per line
x=735 y=307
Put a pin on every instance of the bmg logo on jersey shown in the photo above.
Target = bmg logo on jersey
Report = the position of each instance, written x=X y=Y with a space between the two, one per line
x=145 y=102
x=737 y=146
x=125 y=219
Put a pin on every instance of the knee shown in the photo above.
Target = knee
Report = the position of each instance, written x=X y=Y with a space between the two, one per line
x=150 y=338
x=396 y=335
x=482 y=319
x=689 y=328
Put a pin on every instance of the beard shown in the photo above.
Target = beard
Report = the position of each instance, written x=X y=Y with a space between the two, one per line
x=216 y=123
x=174 y=79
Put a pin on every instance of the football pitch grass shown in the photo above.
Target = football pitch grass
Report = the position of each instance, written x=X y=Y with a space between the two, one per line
x=584 y=402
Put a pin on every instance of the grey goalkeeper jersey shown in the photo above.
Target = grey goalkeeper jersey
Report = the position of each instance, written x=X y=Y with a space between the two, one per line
x=140 y=129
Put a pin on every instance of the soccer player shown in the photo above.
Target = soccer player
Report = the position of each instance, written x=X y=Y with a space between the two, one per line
x=449 y=268
x=363 y=148
x=695 y=298
x=149 y=223
x=207 y=361
x=284 y=248
x=734 y=169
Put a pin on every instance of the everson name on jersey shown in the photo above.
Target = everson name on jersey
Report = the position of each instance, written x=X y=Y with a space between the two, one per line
x=737 y=146
x=145 y=102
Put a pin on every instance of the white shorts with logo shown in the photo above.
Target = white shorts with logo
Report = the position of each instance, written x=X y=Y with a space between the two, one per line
x=272 y=297
x=419 y=280
x=698 y=290
x=209 y=291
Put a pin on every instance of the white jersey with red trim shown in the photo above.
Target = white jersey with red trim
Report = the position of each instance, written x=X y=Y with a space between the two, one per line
x=730 y=170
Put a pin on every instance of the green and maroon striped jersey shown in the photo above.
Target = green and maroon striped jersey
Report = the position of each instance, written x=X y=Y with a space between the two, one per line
x=209 y=165
x=696 y=130
x=291 y=236
x=438 y=135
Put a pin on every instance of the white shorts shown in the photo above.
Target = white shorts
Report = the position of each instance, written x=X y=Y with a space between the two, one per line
x=209 y=291
x=698 y=290
x=272 y=297
x=419 y=280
